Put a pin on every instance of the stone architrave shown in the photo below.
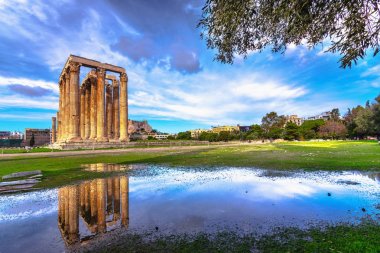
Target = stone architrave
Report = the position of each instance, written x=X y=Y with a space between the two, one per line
x=93 y=112
x=123 y=107
x=109 y=111
x=100 y=131
x=115 y=104
x=74 y=102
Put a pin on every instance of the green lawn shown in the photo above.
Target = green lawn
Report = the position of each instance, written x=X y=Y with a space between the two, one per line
x=363 y=238
x=333 y=155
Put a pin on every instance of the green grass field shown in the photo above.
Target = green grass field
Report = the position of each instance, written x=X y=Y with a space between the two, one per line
x=332 y=155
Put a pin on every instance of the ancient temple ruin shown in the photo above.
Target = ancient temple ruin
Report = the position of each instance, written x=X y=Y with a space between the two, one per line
x=94 y=112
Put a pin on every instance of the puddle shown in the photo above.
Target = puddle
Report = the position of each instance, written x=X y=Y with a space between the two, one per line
x=160 y=200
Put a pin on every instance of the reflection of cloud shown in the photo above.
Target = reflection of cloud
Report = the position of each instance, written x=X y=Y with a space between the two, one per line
x=258 y=186
x=28 y=205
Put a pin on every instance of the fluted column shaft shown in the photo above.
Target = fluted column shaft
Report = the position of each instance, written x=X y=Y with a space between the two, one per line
x=53 y=129
x=101 y=204
x=87 y=113
x=73 y=232
x=93 y=109
x=67 y=118
x=60 y=109
x=115 y=103
x=109 y=111
x=123 y=107
x=82 y=112
x=100 y=131
x=74 y=102
x=124 y=190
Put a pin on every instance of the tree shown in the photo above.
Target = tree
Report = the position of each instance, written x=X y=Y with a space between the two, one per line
x=224 y=136
x=364 y=124
x=273 y=125
x=333 y=129
x=255 y=133
x=206 y=136
x=184 y=135
x=291 y=131
x=335 y=114
x=376 y=117
x=32 y=141
x=309 y=128
x=240 y=27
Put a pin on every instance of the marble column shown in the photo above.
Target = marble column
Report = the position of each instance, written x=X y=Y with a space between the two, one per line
x=53 y=129
x=58 y=126
x=93 y=113
x=116 y=196
x=115 y=104
x=82 y=112
x=74 y=102
x=87 y=113
x=73 y=233
x=93 y=200
x=60 y=109
x=66 y=119
x=109 y=111
x=124 y=190
x=100 y=126
x=101 y=204
x=123 y=107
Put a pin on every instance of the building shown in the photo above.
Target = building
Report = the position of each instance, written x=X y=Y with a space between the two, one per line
x=92 y=111
x=41 y=136
x=324 y=115
x=5 y=134
x=161 y=136
x=244 y=129
x=219 y=129
x=197 y=132
x=16 y=135
x=294 y=119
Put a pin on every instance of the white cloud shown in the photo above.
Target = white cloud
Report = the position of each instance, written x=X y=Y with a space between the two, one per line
x=5 y=81
x=373 y=71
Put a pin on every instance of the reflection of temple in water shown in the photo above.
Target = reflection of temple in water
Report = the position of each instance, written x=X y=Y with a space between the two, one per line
x=92 y=207
x=105 y=167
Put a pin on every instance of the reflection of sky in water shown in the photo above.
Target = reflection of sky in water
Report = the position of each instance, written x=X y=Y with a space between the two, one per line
x=178 y=200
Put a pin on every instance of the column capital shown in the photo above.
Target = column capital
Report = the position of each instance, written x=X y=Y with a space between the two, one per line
x=115 y=83
x=123 y=77
x=74 y=66
x=100 y=72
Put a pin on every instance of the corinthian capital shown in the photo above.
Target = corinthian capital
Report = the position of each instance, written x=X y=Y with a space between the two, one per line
x=100 y=72
x=123 y=77
x=74 y=66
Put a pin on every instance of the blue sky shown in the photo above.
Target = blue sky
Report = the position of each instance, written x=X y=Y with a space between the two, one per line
x=174 y=82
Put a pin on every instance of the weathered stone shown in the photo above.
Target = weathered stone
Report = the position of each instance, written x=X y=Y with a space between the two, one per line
x=21 y=174
x=19 y=182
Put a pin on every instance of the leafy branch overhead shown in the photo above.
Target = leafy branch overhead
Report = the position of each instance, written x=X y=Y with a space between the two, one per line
x=241 y=26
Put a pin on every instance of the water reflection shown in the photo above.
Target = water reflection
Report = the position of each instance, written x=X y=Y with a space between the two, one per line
x=106 y=167
x=101 y=205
